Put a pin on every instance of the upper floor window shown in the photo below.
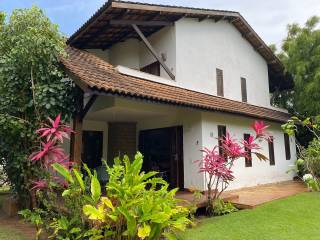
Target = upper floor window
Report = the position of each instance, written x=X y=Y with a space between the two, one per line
x=271 y=151
x=219 y=77
x=153 y=68
x=244 y=89
x=287 y=146
x=248 y=158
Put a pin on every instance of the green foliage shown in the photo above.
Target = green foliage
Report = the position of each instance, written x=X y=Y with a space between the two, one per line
x=301 y=57
x=137 y=205
x=32 y=87
x=223 y=208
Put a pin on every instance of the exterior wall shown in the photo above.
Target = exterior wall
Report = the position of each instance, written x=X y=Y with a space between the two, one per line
x=261 y=172
x=204 y=46
x=122 y=139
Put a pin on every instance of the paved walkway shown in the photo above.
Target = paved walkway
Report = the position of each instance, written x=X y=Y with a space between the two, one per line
x=247 y=198
x=255 y=196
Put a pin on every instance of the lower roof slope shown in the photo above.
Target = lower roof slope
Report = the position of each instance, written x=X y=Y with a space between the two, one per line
x=100 y=76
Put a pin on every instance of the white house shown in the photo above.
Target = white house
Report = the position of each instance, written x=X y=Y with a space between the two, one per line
x=167 y=81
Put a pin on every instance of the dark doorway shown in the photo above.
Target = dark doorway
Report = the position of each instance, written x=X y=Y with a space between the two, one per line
x=163 y=152
x=92 y=142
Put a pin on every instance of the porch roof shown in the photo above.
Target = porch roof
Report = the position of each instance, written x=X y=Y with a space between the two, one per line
x=98 y=77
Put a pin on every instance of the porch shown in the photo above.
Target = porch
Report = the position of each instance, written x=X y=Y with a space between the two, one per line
x=167 y=136
x=248 y=198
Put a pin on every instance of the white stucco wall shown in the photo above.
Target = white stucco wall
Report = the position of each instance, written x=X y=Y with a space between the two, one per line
x=261 y=172
x=204 y=46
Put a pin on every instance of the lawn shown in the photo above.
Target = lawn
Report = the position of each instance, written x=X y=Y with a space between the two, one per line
x=11 y=234
x=296 y=217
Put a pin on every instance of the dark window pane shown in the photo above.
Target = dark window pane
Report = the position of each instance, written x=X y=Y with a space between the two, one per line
x=219 y=77
x=244 y=90
x=222 y=132
x=248 y=159
x=271 y=151
x=153 y=68
x=287 y=146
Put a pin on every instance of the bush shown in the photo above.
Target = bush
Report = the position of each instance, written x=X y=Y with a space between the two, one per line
x=223 y=208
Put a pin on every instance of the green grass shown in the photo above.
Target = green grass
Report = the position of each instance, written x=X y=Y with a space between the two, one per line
x=297 y=217
x=11 y=234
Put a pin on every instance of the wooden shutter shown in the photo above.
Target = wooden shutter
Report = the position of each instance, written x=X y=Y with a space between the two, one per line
x=219 y=77
x=244 y=90
x=153 y=68
x=248 y=159
x=287 y=146
x=271 y=151
x=222 y=131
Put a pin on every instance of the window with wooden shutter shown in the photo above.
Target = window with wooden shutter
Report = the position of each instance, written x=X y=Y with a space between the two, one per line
x=219 y=77
x=271 y=151
x=248 y=159
x=222 y=132
x=153 y=68
x=287 y=146
x=244 y=90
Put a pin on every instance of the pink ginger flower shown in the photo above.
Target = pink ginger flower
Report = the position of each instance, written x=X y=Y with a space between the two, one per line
x=50 y=153
x=250 y=144
x=260 y=129
x=56 y=131
x=39 y=184
x=231 y=147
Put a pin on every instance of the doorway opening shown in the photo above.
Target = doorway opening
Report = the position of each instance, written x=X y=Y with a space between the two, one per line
x=163 y=152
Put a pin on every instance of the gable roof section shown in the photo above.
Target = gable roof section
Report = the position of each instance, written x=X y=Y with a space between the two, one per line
x=97 y=32
x=101 y=77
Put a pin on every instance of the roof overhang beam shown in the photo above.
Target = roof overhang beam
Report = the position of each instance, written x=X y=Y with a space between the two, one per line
x=140 y=23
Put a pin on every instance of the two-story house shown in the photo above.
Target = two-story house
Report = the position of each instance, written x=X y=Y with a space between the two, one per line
x=168 y=81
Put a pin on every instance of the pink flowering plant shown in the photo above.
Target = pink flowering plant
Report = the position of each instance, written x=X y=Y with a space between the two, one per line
x=218 y=167
x=51 y=136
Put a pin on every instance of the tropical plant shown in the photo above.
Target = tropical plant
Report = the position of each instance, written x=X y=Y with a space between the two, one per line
x=308 y=163
x=32 y=86
x=137 y=205
x=223 y=208
x=218 y=167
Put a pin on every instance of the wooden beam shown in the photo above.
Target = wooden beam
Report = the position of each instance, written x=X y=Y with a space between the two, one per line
x=87 y=107
x=204 y=18
x=76 y=140
x=140 y=23
x=152 y=50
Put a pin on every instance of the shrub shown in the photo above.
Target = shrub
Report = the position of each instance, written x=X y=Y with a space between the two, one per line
x=218 y=167
x=223 y=208
x=136 y=205
x=308 y=164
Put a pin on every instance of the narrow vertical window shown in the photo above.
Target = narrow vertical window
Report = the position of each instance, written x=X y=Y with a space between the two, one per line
x=248 y=158
x=287 y=146
x=219 y=77
x=271 y=151
x=244 y=90
x=222 y=131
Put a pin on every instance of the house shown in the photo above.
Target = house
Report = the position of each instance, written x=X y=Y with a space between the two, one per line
x=170 y=80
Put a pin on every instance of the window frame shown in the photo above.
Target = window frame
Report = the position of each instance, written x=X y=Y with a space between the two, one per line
x=244 y=92
x=219 y=80
x=248 y=161
x=272 y=160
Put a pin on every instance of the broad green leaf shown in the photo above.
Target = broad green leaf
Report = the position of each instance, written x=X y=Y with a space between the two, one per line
x=63 y=172
x=107 y=202
x=79 y=179
x=95 y=188
x=131 y=222
x=93 y=213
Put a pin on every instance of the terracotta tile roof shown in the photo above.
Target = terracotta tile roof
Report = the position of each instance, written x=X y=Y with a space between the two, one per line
x=100 y=76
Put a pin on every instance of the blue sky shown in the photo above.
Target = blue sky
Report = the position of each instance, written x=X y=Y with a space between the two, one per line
x=269 y=18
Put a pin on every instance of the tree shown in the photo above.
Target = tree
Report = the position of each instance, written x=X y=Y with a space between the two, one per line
x=32 y=87
x=301 y=56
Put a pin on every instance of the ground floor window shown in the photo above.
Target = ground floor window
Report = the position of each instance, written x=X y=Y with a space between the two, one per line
x=271 y=151
x=248 y=159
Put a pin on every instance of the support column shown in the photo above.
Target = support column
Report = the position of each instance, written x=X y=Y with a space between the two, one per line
x=76 y=140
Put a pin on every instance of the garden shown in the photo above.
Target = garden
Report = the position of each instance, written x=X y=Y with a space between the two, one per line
x=65 y=200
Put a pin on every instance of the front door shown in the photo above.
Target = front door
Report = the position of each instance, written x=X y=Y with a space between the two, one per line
x=92 y=142
x=163 y=152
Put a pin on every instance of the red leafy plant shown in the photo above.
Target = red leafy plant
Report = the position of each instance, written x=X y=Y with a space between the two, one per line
x=218 y=167
x=51 y=137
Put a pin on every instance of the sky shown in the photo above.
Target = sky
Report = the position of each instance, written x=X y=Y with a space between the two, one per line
x=269 y=18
